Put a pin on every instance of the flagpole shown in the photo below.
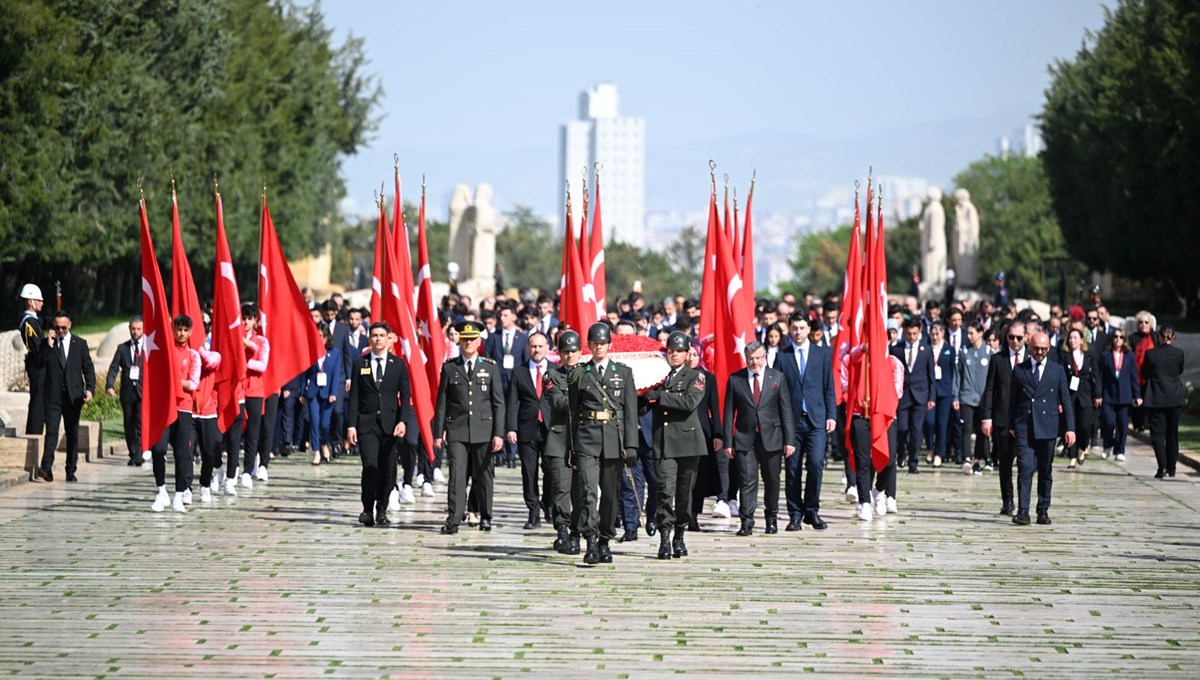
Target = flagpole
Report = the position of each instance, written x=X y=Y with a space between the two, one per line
x=866 y=372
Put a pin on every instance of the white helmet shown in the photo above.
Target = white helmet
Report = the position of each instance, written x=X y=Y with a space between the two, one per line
x=31 y=292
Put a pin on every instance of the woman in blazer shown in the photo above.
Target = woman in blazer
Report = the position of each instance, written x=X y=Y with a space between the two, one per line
x=1162 y=369
x=319 y=395
x=1119 y=393
x=1084 y=381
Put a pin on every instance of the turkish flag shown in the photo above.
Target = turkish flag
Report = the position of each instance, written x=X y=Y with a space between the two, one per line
x=227 y=331
x=577 y=312
x=708 y=286
x=433 y=339
x=850 y=329
x=183 y=288
x=596 y=259
x=283 y=315
x=160 y=366
x=747 y=260
x=587 y=290
x=403 y=275
x=735 y=318
x=564 y=302
x=882 y=390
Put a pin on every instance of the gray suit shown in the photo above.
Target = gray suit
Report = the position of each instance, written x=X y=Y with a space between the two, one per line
x=757 y=433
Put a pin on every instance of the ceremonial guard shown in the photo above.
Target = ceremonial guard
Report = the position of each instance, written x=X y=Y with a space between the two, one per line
x=471 y=431
x=603 y=402
x=30 y=328
x=560 y=478
x=679 y=444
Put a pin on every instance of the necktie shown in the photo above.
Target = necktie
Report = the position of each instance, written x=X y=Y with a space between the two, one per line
x=507 y=342
x=470 y=368
x=1014 y=360
x=538 y=386
x=911 y=354
x=378 y=370
x=137 y=354
x=62 y=349
x=1039 y=371
x=757 y=389
x=803 y=363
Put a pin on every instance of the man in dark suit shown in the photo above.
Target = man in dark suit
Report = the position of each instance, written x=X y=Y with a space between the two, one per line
x=808 y=369
x=472 y=433
x=1164 y=399
x=379 y=401
x=547 y=322
x=1097 y=336
x=508 y=346
x=68 y=383
x=127 y=362
x=340 y=334
x=995 y=407
x=528 y=413
x=917 y=358
x=759 y=429
x=353 y=347
x=1039 y=394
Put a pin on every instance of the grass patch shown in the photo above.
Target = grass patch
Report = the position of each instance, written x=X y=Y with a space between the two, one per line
x=99 y=324
x=1189 y=432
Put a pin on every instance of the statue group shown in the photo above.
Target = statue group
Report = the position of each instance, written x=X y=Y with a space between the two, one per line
x=965 y=242
x=473 y=240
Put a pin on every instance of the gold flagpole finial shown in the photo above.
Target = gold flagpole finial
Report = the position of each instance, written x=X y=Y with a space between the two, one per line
x=598 y=166
x=141 y=181
x=753 y=178
x=879 y=198
x=857 y=186
x=568 y=185
x=735 y=200
x=422 y=184
x=216 y=187
x=264 y=183
x=396 y=162
x=712 y=173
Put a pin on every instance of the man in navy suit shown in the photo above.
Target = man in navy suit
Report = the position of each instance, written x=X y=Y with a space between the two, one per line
x=508 y=346
x=353 y=347
x=917 y=358
x=808 y=370
x=1039 y=394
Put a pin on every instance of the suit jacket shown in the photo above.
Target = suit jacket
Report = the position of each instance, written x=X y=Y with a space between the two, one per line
x=332 y=369
x=1119 y=388
x=523 y=405
x=814 y=390
x=1162 y=369
x=919 y=382
x=390 y=401
x=351 y=350
x=494 y=349
x=340 y=333
x=947 y=361
x=558 y=427
x=122 y=361
x=995 y=401
x=614 y=392
x=74 y=377
x=470 y=409
x=1102 y=343
x=710 y=410
x=1089 y=379
x=1034 y=404
x=675 y=406
x=771 y=418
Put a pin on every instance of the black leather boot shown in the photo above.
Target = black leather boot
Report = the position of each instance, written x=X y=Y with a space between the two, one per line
x=562 y=540
x=664 y=546
x=678 y=545
x=604 y=552
x=592 y=556
x=572 y=546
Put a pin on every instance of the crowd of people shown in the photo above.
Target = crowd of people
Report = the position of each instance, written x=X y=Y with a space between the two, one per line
x=981 y=386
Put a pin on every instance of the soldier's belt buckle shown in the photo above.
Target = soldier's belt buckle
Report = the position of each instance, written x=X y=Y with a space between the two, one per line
x=599 y=415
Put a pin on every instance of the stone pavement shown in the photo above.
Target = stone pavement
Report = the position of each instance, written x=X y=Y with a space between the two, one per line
x=281 y=582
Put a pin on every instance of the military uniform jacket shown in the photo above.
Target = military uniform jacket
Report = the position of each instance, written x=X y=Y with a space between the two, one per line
x=554 y=387
x=612 y=393
x=678 y=432
x=470 y=409
x=31 y=334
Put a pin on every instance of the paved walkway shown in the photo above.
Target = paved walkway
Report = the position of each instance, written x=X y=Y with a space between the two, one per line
x=281 y=582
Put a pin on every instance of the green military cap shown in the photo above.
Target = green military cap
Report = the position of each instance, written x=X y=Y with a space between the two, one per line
x=467 y=330
x=599 y=332
x=678 y=341
x=568 y=341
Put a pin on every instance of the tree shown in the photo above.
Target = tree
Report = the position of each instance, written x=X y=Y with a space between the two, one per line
x=820 y=261
x=531 y=254
x=1121 y=125
x=687 y=254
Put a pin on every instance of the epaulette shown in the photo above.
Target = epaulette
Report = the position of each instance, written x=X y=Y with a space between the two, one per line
x=488 y=360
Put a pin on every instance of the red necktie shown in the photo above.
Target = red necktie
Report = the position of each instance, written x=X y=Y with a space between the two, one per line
x=538 y=386
x=757 y=389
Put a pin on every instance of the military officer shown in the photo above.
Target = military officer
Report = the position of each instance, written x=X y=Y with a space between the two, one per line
x=679 y=444
x=559 y=468
x=603 y=403
x=30 y=328
x=470 y=421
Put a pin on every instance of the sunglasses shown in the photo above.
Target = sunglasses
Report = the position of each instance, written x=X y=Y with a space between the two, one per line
x=1016 y=337
x=1118 y=337
x=1040 y=349
x=62 y=328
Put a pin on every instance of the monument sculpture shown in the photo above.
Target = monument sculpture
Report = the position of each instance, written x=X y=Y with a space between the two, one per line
x=966 y=239
x=473 y=240
x=933 y=243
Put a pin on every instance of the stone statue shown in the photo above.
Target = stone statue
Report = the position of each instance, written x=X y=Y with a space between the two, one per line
x=483 y=251
x=461 y=232
x=933 y=243
x=473 y=240
x=966 y=239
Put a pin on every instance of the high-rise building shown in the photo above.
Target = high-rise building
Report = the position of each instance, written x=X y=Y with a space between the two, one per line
x=618 y=143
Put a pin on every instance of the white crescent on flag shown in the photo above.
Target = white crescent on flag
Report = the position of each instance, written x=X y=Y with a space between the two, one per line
x=597 y=263
x=150 y=294
x=735 y=284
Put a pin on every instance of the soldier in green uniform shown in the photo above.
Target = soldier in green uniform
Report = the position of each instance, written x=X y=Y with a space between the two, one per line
x=30 y=328
x=560 y=475
x=603 y=403
x=470 y=420
x=679 y=444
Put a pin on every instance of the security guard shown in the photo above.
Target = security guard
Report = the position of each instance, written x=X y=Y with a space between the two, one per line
x=679 y=444
x=603 y=402
x=471 y=431
x=30 y=328
x=559 y=470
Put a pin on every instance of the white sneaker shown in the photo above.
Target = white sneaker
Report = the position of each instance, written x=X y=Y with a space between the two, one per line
x=864 y=511
x=262 y=475
x=393 y=500
x=891 y=506
x=1106 y=453
x=733 y=508
x=161 y=501
x=721 y=509
x=146 y=456
x=438 y=476
x=177 y=505
x=406 y=495
x=187 y=496
x=427 y=490
x=145 y=465
x=1120 y=458
x=852 y=494
x=843 y=482
x=247 y=483
x=879 y=503
x=205 y=494
x=967 y=468
x=1095 y=447
x=230 y=487
x=418 y=480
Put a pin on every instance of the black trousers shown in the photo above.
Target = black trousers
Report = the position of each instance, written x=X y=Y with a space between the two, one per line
x=179 y=434
x=885 y=480
x=67 y=411
x=1084 y=420
x=1004 y=447
x=864 y=468
x=600 y=494
x=676 y=478
x=35 y=421
x=207 y=438
x=250 y=439
x=232 y=443
x=132 y=419
x=266 y=433
x=1164 y=436
x=530 y=453
x=910 y=419
x=970 y=422
x=376 y=449
x=407 y=456
x=476 y=460
x=751 y=464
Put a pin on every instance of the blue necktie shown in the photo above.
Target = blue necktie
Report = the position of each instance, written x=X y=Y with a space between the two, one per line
x=803 y=366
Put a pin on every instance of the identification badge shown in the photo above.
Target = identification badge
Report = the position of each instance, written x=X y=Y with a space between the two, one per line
x=322 y=380
x=983 y=361
x=135 y=372
x=937 y=372
x=1074 y=383
x=366 y=370
x=508 y=362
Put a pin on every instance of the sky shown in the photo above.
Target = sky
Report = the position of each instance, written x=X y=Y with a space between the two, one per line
x=808 y=94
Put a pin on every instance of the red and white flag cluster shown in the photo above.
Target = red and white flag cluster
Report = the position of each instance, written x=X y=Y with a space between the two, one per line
x=582 y=291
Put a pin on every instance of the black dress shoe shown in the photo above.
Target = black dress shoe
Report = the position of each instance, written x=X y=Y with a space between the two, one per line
x=914 y=471
x=534 y=520
x=678 y=547
x=1021 y=518
x=651 y=529
x=71 y=477
x=133 y=463
x=794 y=525
x=1043 y=518
x=664 y=547
x=629 y=535
x=44 y=475
x=814 y=520
x=1160 y=474
x=772 y=525
x=592 y=555
x=381 y=519
x=449 y=529
x=604 y=553
x=573 y=546
x=693 y=524
x=1007 y=508
x=485 y=524
x=747 y=528
x=366 y=519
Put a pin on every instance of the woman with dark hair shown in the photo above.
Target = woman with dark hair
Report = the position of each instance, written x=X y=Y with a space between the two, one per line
x=774 y=341
x=320 y=398
x=1120 y=392
x=1162 y=369
x=1083 y=379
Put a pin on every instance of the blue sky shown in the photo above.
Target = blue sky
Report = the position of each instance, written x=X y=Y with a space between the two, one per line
x=808 y=93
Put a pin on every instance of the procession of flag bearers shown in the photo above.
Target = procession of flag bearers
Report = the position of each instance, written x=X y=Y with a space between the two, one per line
x=409 y=384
